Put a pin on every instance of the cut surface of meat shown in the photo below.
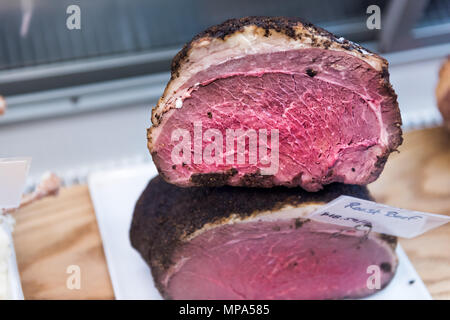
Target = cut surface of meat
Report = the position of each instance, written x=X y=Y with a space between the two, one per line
x=319 y=109
x=281 y=259
x=255 y=243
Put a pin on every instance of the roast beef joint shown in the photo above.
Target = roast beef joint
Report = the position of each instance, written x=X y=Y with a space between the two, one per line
x=255 y=243
x=328 y=100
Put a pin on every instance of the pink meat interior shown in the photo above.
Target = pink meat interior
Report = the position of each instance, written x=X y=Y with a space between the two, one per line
x=277 y=260
x=324 y=104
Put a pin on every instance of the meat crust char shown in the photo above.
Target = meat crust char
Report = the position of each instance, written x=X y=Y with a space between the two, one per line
x=167 y=216
x=285 y=25
x=286 y=29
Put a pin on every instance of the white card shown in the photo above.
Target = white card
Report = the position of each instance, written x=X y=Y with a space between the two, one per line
x=357 y=213
x=13 y=175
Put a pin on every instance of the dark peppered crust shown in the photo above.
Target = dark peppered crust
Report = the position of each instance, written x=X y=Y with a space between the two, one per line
x=220 y=179
x=165 y=214
x=284 y=25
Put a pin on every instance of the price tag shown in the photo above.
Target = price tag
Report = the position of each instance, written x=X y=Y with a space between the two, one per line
x=13 y=176
x=357 y=213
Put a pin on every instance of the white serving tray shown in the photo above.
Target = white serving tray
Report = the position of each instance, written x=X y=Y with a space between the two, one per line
x=114 y=194
x=13 y=272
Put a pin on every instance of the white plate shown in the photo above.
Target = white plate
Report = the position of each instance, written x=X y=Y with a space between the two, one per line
x=13 y=272
x=114 y=194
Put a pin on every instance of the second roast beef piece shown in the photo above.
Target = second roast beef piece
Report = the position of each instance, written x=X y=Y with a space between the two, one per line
x=443 y=92
x=253 y=243
x=330 y=100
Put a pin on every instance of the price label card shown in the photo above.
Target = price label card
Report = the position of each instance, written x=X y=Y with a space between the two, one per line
x=357 y=213
x=13 y=176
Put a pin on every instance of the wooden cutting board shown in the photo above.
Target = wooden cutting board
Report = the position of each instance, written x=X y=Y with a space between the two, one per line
x=418 y=178
x=56 y=233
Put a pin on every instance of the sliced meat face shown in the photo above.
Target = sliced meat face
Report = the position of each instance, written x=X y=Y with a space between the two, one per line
x=255 y=243
x=317 y=113
x=327 y=132
x=282 y=259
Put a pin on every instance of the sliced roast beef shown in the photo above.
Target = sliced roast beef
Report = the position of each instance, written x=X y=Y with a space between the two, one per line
x=262 y=101
x=443 y=92
x=254 y=243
